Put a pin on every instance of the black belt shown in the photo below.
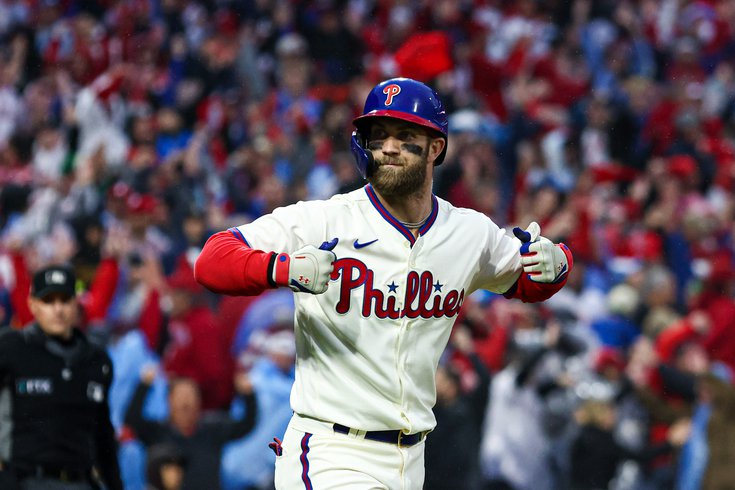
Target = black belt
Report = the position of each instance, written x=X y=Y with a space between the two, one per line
x=53 y=473
x=389 y=436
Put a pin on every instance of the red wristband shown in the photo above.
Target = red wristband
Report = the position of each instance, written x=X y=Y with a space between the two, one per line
x=280 y=269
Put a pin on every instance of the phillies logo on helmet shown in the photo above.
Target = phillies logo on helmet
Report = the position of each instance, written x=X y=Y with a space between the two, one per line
x=391 y=91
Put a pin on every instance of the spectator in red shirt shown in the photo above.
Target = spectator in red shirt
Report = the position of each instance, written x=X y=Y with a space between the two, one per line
x=195 y=347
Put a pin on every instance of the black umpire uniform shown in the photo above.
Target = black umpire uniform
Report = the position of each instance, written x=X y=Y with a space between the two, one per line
x=61 y=434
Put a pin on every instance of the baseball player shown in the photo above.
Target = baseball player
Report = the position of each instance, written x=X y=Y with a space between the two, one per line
x=380 y=275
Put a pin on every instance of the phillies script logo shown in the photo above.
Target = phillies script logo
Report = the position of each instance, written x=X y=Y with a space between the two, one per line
x=420 y=299
x=391 y=91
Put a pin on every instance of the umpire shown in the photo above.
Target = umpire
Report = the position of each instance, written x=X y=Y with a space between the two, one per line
x=61 y=435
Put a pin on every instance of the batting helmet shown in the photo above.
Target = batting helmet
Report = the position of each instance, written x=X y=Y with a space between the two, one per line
x=398 y=98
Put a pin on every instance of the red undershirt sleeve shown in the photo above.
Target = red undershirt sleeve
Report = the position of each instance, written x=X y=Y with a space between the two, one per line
x=228 y=265
x=530 y=291
x=673 y=337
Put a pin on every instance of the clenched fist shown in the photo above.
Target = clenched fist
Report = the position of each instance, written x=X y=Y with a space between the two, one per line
x=542 y=260
x=307 y=270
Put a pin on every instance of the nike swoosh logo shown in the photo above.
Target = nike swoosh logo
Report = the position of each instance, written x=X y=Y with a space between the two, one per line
x=357 y=244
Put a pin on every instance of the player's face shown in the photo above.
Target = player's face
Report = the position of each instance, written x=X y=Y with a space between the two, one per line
x=402 y=152
x=55 y=313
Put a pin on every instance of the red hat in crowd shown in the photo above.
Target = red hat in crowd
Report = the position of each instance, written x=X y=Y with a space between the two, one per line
x=609 y=358
x=722 y=269
x=647 y=245
x=682 y=166
x=611 y=172
x=141 y=203
x=182 y=279
x=424 y=56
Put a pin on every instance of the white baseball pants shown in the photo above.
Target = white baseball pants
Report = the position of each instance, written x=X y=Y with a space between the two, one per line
x=316 y=457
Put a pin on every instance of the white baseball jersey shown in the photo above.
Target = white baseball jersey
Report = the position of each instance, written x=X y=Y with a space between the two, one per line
x=368 y=348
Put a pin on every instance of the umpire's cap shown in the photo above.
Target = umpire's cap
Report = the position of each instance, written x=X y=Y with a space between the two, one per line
x=54 y=279
x=399 y=98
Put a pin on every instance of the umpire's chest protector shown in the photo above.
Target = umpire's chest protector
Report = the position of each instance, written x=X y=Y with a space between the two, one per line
x=46 y=380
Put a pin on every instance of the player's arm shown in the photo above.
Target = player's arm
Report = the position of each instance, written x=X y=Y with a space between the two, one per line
x=229 y=265
x=546 y=266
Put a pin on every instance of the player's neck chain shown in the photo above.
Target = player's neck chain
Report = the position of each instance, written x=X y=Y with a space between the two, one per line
x=418 y=224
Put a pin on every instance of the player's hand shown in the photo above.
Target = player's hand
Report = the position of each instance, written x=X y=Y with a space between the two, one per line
x=542 y=260
x=307 y=270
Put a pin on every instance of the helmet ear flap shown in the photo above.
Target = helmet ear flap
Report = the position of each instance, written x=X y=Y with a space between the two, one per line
x=363 y=157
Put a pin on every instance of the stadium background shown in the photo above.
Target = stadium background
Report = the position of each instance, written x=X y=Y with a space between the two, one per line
x=131 y=130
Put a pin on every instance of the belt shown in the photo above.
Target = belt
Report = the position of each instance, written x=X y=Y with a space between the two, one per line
x=53 y=473
x=389 y=436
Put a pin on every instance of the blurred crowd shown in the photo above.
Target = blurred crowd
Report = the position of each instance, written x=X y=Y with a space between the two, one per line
x=130 y=130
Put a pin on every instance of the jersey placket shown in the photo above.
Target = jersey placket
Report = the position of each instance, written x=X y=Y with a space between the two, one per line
x=406 y=324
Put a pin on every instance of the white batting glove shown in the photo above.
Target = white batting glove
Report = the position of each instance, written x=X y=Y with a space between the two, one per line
x=542 y=260
x=307 y=270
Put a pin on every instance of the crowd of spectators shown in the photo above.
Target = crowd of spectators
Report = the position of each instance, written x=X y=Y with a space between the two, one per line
x=130 y=130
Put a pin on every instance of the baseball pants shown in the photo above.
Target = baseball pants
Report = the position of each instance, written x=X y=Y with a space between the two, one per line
x=316 y=457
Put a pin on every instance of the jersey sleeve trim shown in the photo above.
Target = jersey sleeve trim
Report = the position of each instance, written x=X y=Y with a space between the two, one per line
x=238 y=234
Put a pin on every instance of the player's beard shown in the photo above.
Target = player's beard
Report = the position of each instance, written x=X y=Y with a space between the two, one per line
x=405 y=178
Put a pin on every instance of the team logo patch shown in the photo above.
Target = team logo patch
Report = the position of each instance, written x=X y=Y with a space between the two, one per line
x=55 y=277
x=34 y=386
x=391 y=91
x=95 y=392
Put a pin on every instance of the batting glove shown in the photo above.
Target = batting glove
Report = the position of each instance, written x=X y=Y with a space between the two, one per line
x=307 y=270
x=541 y=259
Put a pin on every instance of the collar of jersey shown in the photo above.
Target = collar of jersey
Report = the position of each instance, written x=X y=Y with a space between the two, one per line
x=393 y=221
